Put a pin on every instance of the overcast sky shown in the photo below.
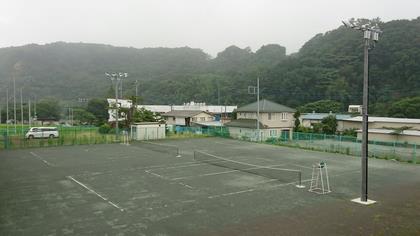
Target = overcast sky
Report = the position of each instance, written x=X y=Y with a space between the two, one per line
x=208 y=24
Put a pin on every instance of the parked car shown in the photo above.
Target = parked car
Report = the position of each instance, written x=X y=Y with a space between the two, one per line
x=42 y=132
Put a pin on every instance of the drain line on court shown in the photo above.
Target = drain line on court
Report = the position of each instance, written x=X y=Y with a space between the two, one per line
x=94 y=192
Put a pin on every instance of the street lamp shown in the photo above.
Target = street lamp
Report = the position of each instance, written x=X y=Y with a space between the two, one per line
x=371 y=36
x=117 y=78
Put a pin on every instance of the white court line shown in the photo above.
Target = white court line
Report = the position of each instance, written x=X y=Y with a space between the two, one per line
x=185 y=185
x=306 y=167
x=219 y=173
x=157 y=175
x=97 y=194
x=275 y=186
x=232 y=193
x=41 y=159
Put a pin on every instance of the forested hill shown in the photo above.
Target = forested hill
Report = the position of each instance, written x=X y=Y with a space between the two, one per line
x=328 y=66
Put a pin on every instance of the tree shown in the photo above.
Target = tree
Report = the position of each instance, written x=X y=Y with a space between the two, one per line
x=297 y=121
x=83 y=116
x=406 y=108
x=143 y=115
x=48 y=108
x=329 y=125
x=99 y=108
x=322 y=106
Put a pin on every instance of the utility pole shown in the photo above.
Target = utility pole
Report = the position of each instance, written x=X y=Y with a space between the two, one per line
x=34 y=117
x=371 y=36
x=29 y=113
x=21 y=111
x=258 y=109
x=7 y=111
x=218 y=93
x=137 y=85
x=14 y=101
x=117 y=77
x=255 y=90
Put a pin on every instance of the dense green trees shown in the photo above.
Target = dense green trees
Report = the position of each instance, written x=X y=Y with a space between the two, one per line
x=99 y=109
x=407 y=107
x=48 y=108
x=328 y=67
x=322 y=106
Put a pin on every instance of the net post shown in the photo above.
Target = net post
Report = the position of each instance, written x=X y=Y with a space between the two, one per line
x=178 y=152
x=299 y=185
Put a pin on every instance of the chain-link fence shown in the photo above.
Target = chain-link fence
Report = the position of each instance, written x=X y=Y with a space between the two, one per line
x=350 y=145
x=76 y=135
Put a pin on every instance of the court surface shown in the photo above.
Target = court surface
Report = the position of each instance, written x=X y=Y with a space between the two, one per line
x=114 y=189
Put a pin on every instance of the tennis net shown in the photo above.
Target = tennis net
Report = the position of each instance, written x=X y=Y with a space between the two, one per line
x=283 y=175
x=159 y=147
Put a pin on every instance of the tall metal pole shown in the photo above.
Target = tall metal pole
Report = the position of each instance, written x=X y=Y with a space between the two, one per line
x=370 y=34
x=258 y=109
x=21 y=111
x=117 y=77
x=14 y=101
x=29 y=113
x=7 y=111
x=364 y=193
x=35 y=108
x=116 y=108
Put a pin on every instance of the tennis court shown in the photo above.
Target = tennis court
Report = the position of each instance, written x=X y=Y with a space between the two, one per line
x=216 y=186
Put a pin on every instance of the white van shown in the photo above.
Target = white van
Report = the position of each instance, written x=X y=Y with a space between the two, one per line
x=42 y=132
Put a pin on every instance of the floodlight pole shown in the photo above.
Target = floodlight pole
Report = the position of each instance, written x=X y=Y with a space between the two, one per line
x=369 y=34
x=21 y=111
x=258 y=109
x=7 y=111
x=117 y=77
x=364 y=193
x=14 y=102
x=29 y=113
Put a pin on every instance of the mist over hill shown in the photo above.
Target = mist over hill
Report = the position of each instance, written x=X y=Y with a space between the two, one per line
x=328 y=66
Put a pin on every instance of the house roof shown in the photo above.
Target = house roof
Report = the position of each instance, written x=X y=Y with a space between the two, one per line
x=176 y=113
x=385 y=120
x=265 y=106
x=244 y=123
x=391 y=131
x=320 y=116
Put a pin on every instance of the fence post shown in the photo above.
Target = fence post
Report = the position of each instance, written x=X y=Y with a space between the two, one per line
x=414 y=154
x=5 y=140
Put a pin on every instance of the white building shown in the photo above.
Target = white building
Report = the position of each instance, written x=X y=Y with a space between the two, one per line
x=124 y=103
x=186 y=118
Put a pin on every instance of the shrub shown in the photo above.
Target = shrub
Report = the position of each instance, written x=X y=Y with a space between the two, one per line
x=104 y=129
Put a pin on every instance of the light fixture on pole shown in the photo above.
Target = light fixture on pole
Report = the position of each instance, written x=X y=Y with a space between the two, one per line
x=371 y=36
x=116 y=78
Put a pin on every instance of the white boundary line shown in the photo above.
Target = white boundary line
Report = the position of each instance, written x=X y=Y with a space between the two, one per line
x=97 y=194
x=275 y=186
x=42 y=159
x=185 y=185
x=157 y=175
x=231 y=193
x=219 y=173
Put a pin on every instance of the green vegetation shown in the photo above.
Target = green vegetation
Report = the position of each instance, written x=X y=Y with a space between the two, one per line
x=406 y=107
x=328 y=67
x=322 y=106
